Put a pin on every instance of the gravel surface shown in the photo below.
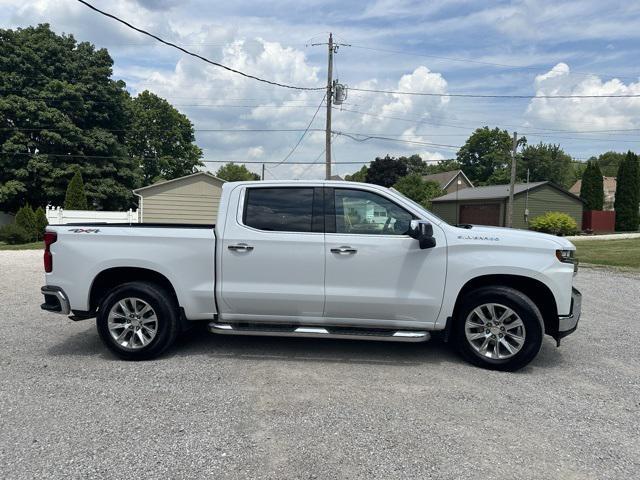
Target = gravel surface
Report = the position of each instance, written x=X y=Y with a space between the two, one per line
x=249 y=407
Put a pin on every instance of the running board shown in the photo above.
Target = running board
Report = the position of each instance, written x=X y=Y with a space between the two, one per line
x=321 y=332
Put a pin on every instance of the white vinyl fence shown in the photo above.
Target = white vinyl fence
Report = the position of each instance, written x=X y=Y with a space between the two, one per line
x=58 y=215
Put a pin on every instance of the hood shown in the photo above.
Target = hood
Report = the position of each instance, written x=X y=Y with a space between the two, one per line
x=513 y=235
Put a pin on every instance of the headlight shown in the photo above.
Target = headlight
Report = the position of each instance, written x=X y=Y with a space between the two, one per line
x=568 y=256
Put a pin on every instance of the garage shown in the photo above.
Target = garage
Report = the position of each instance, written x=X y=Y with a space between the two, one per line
x=488 y=214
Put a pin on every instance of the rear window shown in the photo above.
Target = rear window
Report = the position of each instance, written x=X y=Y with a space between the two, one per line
x=279 y=209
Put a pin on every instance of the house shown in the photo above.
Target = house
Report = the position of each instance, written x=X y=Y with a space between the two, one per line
x=608 y=184
x=488 y=205
x=336 y=177
x=190 y=199
x=450 y=181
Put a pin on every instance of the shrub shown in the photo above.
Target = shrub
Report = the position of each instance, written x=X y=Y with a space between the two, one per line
x=26 y=219
x=556 y=223
x=41 y=222
x=14 y=234
x=75 y=198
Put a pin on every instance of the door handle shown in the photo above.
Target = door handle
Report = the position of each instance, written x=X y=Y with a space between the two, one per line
x=344 y=250
x=240 y=247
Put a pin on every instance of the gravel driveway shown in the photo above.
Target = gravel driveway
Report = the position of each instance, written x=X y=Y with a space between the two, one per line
x=249 y=407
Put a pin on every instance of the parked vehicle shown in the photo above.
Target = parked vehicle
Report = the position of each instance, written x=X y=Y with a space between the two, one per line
x=318 y=259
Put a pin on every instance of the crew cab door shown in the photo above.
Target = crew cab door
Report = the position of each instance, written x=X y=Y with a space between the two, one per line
x=375 y=272
x=273 y=255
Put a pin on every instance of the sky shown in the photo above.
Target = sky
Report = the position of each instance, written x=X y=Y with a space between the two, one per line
x=528 y=47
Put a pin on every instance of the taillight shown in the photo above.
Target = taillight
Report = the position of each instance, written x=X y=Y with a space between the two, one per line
x=49 y=238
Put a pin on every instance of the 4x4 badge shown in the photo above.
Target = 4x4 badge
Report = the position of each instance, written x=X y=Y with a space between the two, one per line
x=84 y=230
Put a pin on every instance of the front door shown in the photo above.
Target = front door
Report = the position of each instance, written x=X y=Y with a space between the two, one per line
x=273 y=256
x=375 y=272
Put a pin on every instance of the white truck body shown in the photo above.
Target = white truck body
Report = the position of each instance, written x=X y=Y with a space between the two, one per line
x=293 y=277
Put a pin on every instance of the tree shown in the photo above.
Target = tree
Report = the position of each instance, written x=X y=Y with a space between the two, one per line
x=546 y=162
x=26 y=219
x=359 y=176
x=386 y=171
x=443 y=166
x=61 y=109
x=75 y=198
x=236 y=173
x=628 y=194
x=486 y=156
x=592 y=188
x=418 y=189
x=609 y=163
x=161 y=139
x=41 y=222
x=415 y=164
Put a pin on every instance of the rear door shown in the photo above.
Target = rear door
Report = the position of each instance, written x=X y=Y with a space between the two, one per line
x=273 y=256
x=375 y=272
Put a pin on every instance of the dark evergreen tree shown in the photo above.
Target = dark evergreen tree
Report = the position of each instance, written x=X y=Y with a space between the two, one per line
x=386 y=171
x=628 y=194
x=41 y=222
x=592 y=188
x=26 y=219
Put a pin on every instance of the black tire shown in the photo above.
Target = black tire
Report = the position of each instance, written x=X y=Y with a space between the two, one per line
x=166 y=312
x=521 y=305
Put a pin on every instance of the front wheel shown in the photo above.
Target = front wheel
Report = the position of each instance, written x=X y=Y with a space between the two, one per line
x=138 y=321
x=498 y=328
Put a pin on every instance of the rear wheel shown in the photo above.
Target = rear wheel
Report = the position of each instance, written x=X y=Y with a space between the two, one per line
x=138 y=321
x=498 y=328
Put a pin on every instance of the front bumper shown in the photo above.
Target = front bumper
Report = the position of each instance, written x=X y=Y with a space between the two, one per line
x=55 y=300
x=567 y=324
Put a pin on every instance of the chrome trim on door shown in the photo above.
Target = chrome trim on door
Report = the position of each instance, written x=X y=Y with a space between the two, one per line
x=344 y=250
x=240 y=247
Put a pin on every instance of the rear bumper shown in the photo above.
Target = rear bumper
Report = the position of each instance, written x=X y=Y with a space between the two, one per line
x=55 y=300
x=569 y=323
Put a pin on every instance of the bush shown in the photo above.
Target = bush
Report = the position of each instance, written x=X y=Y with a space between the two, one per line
x=14 y=234
x=75 y=198
x=556 y=223
x=26 y=219
x=41 y=222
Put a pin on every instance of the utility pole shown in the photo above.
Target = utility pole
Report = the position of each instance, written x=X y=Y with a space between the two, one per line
x=513 y=180
x=329 y=97
x=262 y=178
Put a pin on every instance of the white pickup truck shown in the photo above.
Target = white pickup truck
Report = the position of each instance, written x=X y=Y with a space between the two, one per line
x=318 y=259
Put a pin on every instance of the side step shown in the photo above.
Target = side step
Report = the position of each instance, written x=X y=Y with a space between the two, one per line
x=384 y=335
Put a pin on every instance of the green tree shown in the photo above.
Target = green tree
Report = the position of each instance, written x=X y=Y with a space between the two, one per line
x=486 y=156
x=628 y=194
x=443 y=166
x=609 y=163
x=26 y=219
x=592 y=188
x=232 y=172
x=417 y=189
x=546 y=162
x=359 y=176
x=161 y=139
x=41 y=222
x=61 y=108
x=386 y=171
x=75 y=198
x=415 y=164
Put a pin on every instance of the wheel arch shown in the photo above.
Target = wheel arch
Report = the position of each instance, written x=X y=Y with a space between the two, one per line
x=110 y=278
x=537 y=291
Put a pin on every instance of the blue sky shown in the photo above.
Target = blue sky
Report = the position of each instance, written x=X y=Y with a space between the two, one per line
x=520 y=47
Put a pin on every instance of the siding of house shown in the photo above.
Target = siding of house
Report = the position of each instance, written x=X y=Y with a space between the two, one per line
x=194 y=200
x=452 y=186
x=447 y=210
x=545 y=199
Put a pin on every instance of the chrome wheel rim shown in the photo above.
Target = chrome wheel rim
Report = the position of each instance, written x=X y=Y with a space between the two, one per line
x=494 y=331
x=133 y=324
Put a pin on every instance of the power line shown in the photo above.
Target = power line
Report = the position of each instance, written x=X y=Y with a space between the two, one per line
x=412 y=142
x=188 y=52
x=473 y=95
x=305 y=130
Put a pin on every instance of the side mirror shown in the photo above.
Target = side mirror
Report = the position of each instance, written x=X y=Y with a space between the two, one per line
x=422 y=231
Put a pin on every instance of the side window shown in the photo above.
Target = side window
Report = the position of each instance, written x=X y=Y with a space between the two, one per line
x=279 y=209
x=368 y=213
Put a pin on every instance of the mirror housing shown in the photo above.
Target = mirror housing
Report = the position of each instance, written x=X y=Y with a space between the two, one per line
x=422 y=231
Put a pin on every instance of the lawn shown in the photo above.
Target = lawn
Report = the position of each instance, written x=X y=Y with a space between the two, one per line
x=26 y=246
x=617 y=253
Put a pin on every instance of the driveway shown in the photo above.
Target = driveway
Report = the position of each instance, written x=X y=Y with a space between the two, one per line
x=241 y=407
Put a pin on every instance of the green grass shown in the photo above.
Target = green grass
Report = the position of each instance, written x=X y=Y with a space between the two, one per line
x=616 y=253
x=25 y=246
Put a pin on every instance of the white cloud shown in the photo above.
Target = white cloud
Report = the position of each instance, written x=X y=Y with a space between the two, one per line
x=583 y=113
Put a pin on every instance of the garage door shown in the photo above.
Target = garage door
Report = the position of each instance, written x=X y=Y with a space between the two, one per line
x=488 y=214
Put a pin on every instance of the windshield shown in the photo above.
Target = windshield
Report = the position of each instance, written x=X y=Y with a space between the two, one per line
x=416 y=204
